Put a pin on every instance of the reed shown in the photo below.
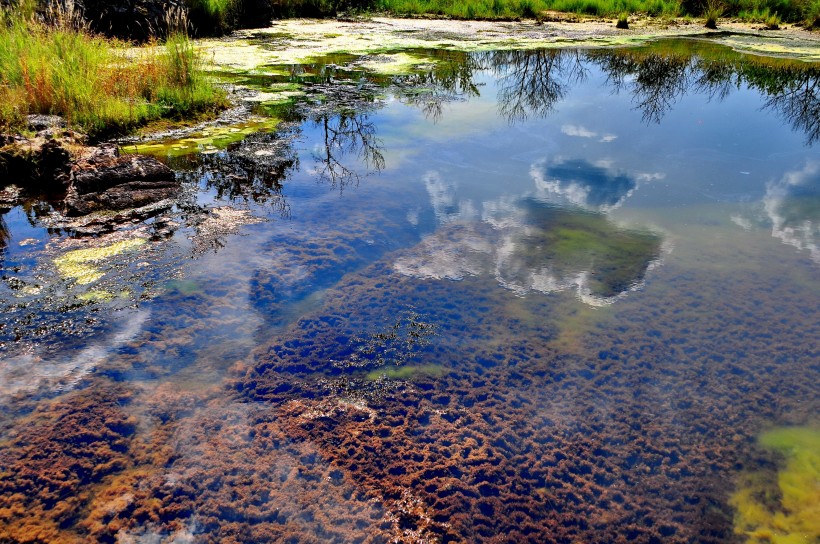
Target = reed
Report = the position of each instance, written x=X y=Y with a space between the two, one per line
x=711 y=13
x=54 y=65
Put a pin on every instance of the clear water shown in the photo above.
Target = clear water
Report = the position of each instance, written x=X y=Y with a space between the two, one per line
x=549 y=296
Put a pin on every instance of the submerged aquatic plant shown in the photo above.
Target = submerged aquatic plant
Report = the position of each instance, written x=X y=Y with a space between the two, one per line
x=785 y=509
x=397 y=345
x=78 y=265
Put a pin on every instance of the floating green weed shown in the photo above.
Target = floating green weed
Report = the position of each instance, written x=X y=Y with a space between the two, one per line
x=208 y=140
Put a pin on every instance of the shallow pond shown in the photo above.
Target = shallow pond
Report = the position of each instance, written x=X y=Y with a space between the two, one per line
x=431 y=296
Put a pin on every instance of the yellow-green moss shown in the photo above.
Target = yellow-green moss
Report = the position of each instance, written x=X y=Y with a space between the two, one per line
x=785 y=510
x=209 y=140
x=395 y=63
x=78 y=265
x=405 y=372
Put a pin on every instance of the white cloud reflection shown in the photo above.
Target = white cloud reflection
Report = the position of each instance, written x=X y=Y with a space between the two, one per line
x=505 y=239
x=579 y=131
x=792 y=204
x=31 y=371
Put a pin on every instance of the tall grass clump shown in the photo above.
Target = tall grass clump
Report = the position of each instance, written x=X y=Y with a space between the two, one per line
x=772 y=12
x=51 y=67
x=711 y=13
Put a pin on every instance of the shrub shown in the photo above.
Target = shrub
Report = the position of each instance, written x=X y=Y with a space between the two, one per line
x=213 y=16
x=812 y=14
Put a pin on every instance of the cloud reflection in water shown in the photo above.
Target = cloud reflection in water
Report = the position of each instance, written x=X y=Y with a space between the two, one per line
x=792 y=204
x=531 y=244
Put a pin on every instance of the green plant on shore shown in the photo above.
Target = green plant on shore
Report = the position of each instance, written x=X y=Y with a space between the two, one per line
x=807 y=11
x=217 y=15
x=51 y=67
x=623 y=20
x=812 y=15
x=772 y=22
x=711 y=13
x=530 y=9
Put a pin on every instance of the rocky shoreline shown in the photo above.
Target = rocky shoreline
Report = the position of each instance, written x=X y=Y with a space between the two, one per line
x=58 y=165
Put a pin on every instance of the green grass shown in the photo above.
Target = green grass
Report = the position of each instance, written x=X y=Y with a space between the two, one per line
x=806 y=11
x=213 y=16
x=63 y=70
x=512 y=9
x=213 y=7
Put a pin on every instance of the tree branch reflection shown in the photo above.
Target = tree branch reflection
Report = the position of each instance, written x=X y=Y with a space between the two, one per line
x=5 y=236
x=451 y=79
x=658 y=80
x=347 y=134
x=796 y=96
x=532 y=82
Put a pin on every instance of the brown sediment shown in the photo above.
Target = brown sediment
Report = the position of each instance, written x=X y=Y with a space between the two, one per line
x=634 y=438
x=55 y=456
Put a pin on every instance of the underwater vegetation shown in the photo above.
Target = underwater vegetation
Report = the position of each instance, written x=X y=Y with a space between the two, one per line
x=785 y=509
x=582 y=241
x=78 y=264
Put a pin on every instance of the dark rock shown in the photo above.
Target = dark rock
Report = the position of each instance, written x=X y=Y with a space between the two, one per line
x=41 y=163
x=104 y=180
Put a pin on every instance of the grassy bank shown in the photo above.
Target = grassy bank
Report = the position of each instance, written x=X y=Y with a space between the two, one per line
x=796 y=11
x=226 y=12
x=59 y=68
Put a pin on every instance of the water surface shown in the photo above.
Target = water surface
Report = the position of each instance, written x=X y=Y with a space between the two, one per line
x=545 y=296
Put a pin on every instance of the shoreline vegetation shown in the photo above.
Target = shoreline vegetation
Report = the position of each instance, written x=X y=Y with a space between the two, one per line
x=52 y=64
x=217 y=15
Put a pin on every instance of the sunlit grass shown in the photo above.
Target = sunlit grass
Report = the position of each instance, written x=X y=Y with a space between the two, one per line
x=510 y=9
x=807 y=11
x=62 y=69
